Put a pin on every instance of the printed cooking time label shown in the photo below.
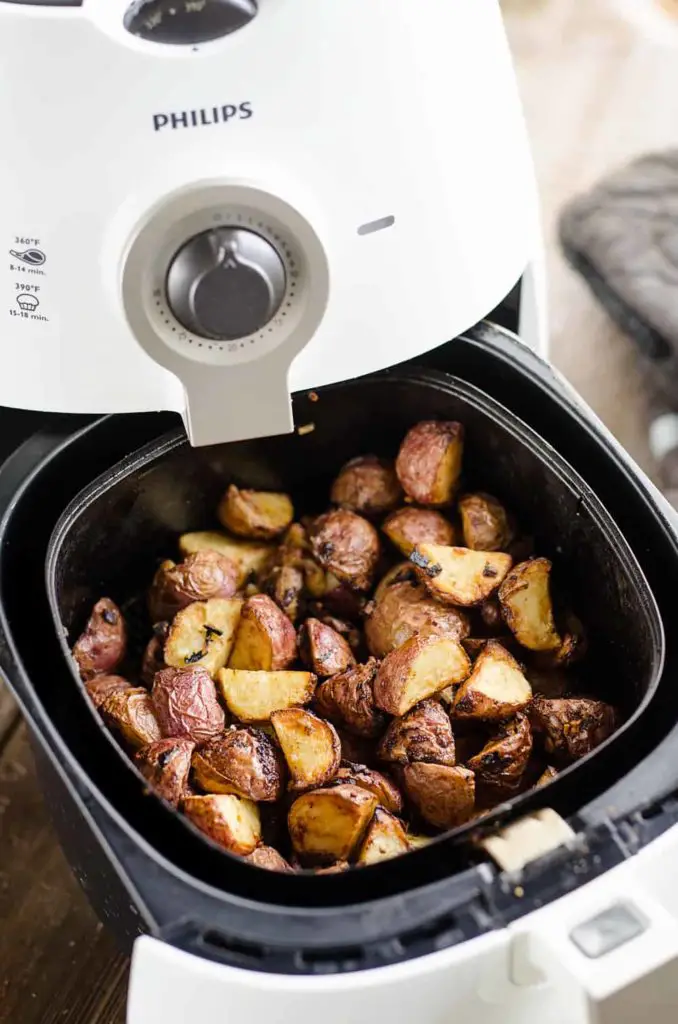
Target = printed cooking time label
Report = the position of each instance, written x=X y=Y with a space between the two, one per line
x=28 y=271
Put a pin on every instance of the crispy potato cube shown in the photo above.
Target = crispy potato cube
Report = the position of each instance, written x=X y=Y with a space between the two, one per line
x=459 y=575
x=201 y=576
x=153 y=660
x=484 y=523
x=132 y=713
x=269 y=859
x=265 y=640
x=385 y=790
x=260 y=515
x=367 y=485
x=100 y=688
x=348 y=700
x=311 y=747
x=347 y=546
x=254 y=696
x=423 y=734
x=429 y=461
x=103 y=643
x=166 y=765
x=186 y=704
x=406 y=610
x=385 y=838
x=495 y=689
x=227 y=819
x=548 y=775
x=249 y=558
x=243 y=761
x=323 y=650
x=571 y=727
x=526 y=604
x=202 y=634
x=443 y=796
x=409 y=526
x=502 y=762
x=329 y=823
x=422 y=666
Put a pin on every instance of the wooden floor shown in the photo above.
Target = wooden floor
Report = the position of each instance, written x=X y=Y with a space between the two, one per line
x=594 y=96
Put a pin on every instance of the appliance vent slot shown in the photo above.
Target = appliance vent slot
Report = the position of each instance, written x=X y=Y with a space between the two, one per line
x=442 y=932
x=245 y=951
x=334 y=960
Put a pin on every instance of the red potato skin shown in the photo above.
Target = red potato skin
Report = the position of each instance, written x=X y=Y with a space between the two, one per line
x=484 y=522
x=153 y=660
x=420 y=456
x=186 y=705
x=278 y=627
x=201 y=576
x=269 y=859
x=166 y=765
x=418 y=526
x=423 y=734
x=367 y=485
x=247 y=759
x=103 y=644
x=348 y=700
x=406 y=609
x=572 y=727
x=346 y=545
x=323 y=651
x=100 y=688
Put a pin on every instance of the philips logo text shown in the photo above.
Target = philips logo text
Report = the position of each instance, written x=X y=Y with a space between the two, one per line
x=204 y=116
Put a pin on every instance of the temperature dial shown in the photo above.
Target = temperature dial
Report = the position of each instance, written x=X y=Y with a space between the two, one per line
x=226 y=283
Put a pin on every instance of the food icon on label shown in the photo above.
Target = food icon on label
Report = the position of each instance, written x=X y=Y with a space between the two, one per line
x=34 y=257
x=27 y=302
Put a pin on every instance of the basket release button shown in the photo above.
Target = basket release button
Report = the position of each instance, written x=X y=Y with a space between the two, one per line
x=608 y=930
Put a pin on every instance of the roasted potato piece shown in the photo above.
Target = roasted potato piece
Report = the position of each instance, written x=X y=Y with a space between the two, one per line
x=227 y=819
x=346 y=629
x=329 y=823
x=132 y=713
x=490 y=613
x=323 y=650
x=285 y=585
x=429 y=461
x=422 y=666
x=100 y=688
x=186 y=705
x=548 y=775
x=347 y=546
x=243 y=761
x=339 y=598
x=444 y=796
x=367 y=485
x=203 y=633
x=265 y=640
x=254 y=696
x=408 y=527
x=249 y=558
x=385 y=838
x=310 y=745
x=260 y=515
x=423 y=734
x=201 y=576
x=503 y=760
x=571 y=727
x=166 y=765
x=495 y=689
x=103 y=643
x=386 y=792
x=403 y=572
x=572 y=649
x=268 y=858
x=458 y=575
x=406 y=610
x=348 y=700
x=526 y=604
x=484 y=523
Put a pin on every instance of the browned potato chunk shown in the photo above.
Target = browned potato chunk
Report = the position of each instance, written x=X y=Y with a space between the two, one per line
x=572 y=649
x=526 y=603
x=242 y=761
x=484 y=523
x=385 y=838
x=310 y=745
x=572 y=727
x=386 y=792
x=423 y=734
x=102 y=646
x=405 y=610
x=347 y=545
x=429 y=461
x=443 y=796
x=408 y=527
x=503 y=760
x=268 y=858
x=199 y=577
x=166 y=764
x=348 y=699
x=132 y=713
x=101 y=687
x=403 y=572
x=248 y=557
x=548 y=775
x=153 y=660
x=254 y=696
x=227 y=819
x=329 y=823
x=459 y=575
x=346 y=629
x=186 y=704
x=323 y=650
x=367 y=485
x=202 y=634
x=285 y=585
x=260 y=515
x=424 y=665
x=339 y=598
x=265 y=640
x=495 y=689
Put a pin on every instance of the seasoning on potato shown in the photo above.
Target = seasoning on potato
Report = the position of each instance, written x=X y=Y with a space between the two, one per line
x=444 y=796
x=571 y=727
x=423 y=734
x=166 y=764
x=310 y=746
x=422 y=666
x=385 y=790
x=323 y=650
x=203 y=634
x=367 y=485
x=265 y=639
x=458 y=575
x=254 y=696
x=405 y=610
x=102 y=645
x=347 y=545
x=495 y=689
x=260 y=515
x=328 y=824
x=429 y=461
x=385 y=838
x=244 y=761
x=410 y=526
x=186 y=704
x=132 y=713
x=228 y=820
x=484 y=522
x=348 y=700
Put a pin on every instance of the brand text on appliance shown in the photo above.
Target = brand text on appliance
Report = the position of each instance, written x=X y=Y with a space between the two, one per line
x=204 y=116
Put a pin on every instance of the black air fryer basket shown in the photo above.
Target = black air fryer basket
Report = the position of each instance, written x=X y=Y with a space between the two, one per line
x=142 y=864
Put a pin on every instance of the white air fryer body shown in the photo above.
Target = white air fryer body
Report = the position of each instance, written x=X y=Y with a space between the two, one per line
x=377 y=146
